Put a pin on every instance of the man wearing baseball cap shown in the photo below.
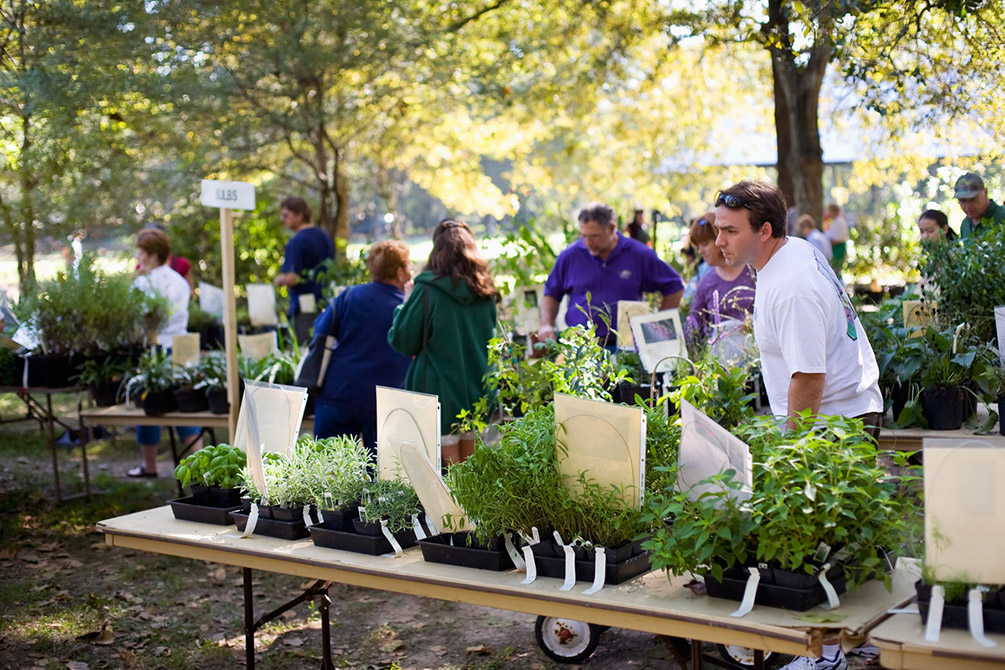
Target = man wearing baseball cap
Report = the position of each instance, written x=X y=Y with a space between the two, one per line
x=982 y=212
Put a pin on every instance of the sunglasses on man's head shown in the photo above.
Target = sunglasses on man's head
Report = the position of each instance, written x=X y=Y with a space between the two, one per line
x=730 y=201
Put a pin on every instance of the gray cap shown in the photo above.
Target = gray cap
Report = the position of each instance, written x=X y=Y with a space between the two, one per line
x=968 y=186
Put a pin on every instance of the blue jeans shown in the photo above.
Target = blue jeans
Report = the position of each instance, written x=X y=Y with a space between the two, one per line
x=152 y=434
x=334 y=418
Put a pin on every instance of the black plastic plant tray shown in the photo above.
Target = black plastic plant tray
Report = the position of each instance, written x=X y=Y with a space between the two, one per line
x=957 y=616
x=437 y=549
x=187 y=509
x=374 y=545
x=773 y=595
x=615 y=572
x=284 y=530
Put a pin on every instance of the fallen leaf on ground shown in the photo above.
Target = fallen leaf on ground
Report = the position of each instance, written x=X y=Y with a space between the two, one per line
x=823 y=618
x=77 y=665
x=481 y=650
x=293 y=641
x=103 y=635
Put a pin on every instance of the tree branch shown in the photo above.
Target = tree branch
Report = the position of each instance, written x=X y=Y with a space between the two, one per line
x=460 y=23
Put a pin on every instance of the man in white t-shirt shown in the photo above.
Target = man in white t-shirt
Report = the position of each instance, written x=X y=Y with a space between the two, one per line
x=814 y=351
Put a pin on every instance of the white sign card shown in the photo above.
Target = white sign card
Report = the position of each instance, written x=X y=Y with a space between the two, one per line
x=1000 y=327
x=707 y=449
x=526 y=304
x=406 y=419
x=262 y=304
x=964 y=511
x=257 y=347
x=6 y=315
x=628 y=309
x=269 y=421
x=607 y=441
x=433 y=494
x=919 y=313
x=228 y=194
x=308 y=303
x=185 y=350
x=658 y=338
x=211 y=299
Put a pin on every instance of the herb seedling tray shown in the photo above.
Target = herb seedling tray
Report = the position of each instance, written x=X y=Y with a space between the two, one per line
x=799 y=592
x=374 y=545
x=615 y=573
x=955 y=615
x=284 y=530
x=187 y=509
x=437 y=549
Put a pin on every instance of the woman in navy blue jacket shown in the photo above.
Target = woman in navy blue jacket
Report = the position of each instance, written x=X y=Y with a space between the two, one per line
x=359 y=318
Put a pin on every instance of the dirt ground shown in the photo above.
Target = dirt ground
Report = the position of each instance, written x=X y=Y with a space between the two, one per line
x=68 y=601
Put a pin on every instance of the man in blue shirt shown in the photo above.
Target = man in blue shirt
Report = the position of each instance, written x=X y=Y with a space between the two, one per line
x=609 y=267
x=309 y=247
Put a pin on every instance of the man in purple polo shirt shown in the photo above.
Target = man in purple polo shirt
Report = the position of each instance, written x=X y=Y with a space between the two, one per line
x=609 y=267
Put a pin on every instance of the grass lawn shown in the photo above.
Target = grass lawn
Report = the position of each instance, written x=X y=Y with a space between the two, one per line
x=60 y=583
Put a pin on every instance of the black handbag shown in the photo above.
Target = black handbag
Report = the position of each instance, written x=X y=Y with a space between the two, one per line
x=313 y=367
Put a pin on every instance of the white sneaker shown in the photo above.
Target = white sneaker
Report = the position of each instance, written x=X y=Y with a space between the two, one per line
x=804 y=663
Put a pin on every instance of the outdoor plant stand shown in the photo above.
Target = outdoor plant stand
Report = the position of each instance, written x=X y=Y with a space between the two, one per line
x=650 y=605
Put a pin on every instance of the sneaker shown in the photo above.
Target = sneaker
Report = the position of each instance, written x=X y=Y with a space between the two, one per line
x=804 y=663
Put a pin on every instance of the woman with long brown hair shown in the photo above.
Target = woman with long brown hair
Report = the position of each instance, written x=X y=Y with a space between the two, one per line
x=447 y=322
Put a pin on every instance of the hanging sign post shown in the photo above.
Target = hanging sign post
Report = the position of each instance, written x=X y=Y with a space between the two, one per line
x=228 y=196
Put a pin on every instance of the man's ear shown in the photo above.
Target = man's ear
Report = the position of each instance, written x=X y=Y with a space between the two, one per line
x=765 y=233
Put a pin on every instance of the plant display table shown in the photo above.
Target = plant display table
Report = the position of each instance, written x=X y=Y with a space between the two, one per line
x=128 y=415
x=902 y=645
x=649 y=604
x=38 y=402
x=910 y=439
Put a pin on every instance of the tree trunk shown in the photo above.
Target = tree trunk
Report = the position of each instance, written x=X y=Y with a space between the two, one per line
x=25 y=247
x=797 y=103
x=341 y=227
x=389 y=190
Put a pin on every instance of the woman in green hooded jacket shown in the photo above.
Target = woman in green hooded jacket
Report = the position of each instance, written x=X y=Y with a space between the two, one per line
x=447 y=322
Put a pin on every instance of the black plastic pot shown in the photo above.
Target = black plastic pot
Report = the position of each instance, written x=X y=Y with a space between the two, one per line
x=190 y=400
x=339 y=519
x=374 y=545
x=367 y=527
x=211 y=337
x=955 y=614
x=281 y=513
x=200 y=494
x=1001 y=414
x=157 y=403
x=284 y=530
x=787 y=590
x=47 y=371
x=899 y=394
x=189 y=509
x=943 y=407
x=216 y=400
x=614 y=573
x=105 y=394
x=453 y=549
x=221 y=497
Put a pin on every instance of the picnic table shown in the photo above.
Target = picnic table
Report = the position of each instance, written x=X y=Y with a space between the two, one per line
x=902 y=646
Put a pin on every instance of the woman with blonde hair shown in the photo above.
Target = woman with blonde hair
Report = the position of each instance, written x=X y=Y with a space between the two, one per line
x=447 y=322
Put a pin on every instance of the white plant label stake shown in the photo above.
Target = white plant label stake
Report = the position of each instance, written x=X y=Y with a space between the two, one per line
x=570 y=568
x=749 y=593
x=432 y=528
x=599 y=571
x=832 y=597
x=306 y=512
x=513 y=554
x=530 y=565
x=975 y=617
x=390 y=538
x=417 y=528
x=249 y=528
x=934 y=624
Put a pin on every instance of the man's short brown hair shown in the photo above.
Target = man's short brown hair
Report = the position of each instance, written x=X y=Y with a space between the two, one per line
x=297 y=206
x=763 y=202
x=155 y=242
x=386 y=259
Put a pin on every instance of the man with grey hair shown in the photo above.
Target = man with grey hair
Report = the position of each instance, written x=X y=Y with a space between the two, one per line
x=982 y=212
x=600 y=269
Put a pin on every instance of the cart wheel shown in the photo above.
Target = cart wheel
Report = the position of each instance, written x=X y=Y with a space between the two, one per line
x=565 y=640
x=742 y=657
